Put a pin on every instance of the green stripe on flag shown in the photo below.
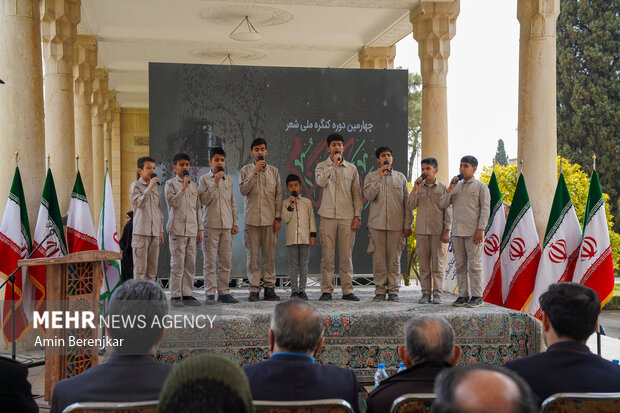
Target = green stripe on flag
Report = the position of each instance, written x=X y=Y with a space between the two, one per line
x=17 y=195
x=518 y=208
x=496 y=200
x=559 y=208
x=595 y=200
x=50 y=201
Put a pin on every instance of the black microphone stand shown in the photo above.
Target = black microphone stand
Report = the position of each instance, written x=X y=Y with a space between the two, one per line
x=11 y=278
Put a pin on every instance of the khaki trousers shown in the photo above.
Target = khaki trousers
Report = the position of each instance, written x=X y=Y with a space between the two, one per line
x=258 y=238
x=430 y=254
x=145 y=255
x=217 y=244
x=182 y=265
x=329 y=231
x=468 y=256
x=386 y=247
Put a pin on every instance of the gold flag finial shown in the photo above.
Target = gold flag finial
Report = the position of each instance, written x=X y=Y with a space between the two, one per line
x=49 y=162
x=77 y=163
x=16 y=158
x=594 y=162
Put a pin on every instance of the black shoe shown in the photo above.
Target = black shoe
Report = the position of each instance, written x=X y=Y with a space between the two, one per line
x=325 y=297
x=436 y=299
x=393 y=298
x=378 y=298
x=227 y=299
x=177 y=302
x=461 y=302
x=210 y=300
x=303 y=295
x=270 y=295
x=475 y=302
x=294 y=294
x=253 y=297
x=191 y=301
x=425 y=299
x=350 y=297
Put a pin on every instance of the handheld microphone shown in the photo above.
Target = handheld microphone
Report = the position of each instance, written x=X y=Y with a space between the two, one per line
x=389 y=169
x=154 y=175
x=185 y=172
x=294 y=193
x=262 y=158
x=338 y=157
x=423 y=176
x=220 y=169
x=457 y=178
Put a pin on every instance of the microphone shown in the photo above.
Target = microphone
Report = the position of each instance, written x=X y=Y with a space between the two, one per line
x=457 y=178
x=389 y=169
x=261 y=158
x=421 y=178
x=185 y=172
x=220 y=169
x=154 y=175
x=294 y=193
x=338 y=157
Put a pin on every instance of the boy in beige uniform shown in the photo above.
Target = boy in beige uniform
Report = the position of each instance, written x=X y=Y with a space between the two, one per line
x=340 y=212
x=184 y=231
x=219 y=219
x=470 y=201
x=298 y=214
x=389 y=223
x=432 y=228
x=148 y=220
x=260 y=184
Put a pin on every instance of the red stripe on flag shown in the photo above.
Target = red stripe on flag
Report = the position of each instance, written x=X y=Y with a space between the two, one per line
x=78 y=241
x=493 y=293
x=600 y=276
x=523 y=282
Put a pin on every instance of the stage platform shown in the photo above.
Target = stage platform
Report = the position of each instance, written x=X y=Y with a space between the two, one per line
x=357 y=335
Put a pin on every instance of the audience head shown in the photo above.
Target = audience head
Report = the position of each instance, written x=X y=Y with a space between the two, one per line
x=206 y=383
x=480 y=388
x=137 y=298
x=296 y=327
x=429 y=338
x=570 y=312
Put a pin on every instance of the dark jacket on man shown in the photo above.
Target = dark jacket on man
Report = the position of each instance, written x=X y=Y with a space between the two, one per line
x=15 y=390
x=567 y=367
x=418 y=378
x=125 y=245
x=292 y=377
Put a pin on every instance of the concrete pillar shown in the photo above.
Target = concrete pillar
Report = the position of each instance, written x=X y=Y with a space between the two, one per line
x=434 y=25
x=99 y=97
x=537 y=104
x=377 y=57
x=115 y=165
x=21 y=102
x=59 y=19
x=108 y=109
x=84 y=63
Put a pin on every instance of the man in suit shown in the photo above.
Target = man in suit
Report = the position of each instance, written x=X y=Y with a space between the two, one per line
x=15 y=390
x=291 y=373
x=429 y=348
x=131 y=373
x=570 y=316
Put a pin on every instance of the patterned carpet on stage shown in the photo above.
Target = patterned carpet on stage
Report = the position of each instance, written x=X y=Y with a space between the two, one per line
x=358 y=335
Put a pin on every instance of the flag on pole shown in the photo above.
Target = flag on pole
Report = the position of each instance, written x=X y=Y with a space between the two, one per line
x=81 y=235
x=449 y=277
x=520 y=250
x=560 y=247
x=595 y=268
x=107 y=236
x=15 y=244
x=49 y=228
x=491 y=266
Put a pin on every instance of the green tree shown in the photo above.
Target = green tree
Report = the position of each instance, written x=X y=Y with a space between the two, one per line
x=500 y=154
x=588 y=89
x=414 y=125
x=578 y=184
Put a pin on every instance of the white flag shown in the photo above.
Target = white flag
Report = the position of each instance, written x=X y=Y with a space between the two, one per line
x=107 y=237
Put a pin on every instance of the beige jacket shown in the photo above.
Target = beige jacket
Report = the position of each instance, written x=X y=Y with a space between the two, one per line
x=263 y=195
x=148 y=217
x=221 y=206
x=432 y=218
x=388 y=196
x=300 y=223
x=470 y=200
x=342 y=198
x=183 y=208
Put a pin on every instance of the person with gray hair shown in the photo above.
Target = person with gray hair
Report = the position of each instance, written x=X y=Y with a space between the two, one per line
x=292 y=373
x=429 y=349
x=482 y=388
x=130 y=373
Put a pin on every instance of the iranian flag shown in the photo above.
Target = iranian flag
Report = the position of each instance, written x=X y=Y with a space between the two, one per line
x=595 y=268
x=15 y=243
x=81 y=234
x=107 y=236
x=519 y=251
x=491 y=266
x=560 y=248
x=49 y=238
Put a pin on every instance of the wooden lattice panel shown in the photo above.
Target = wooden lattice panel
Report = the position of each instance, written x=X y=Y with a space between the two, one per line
x=80 y=278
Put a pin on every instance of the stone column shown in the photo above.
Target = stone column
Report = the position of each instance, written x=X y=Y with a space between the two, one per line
x=537 y=104
x=100 y=93
x=59 y=19
x=21 y=102
x=434 y=25
x=377 y=57
x=108 y=108
x=84 y=63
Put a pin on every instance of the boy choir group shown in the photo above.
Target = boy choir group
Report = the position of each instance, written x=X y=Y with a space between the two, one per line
x=463 y=205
